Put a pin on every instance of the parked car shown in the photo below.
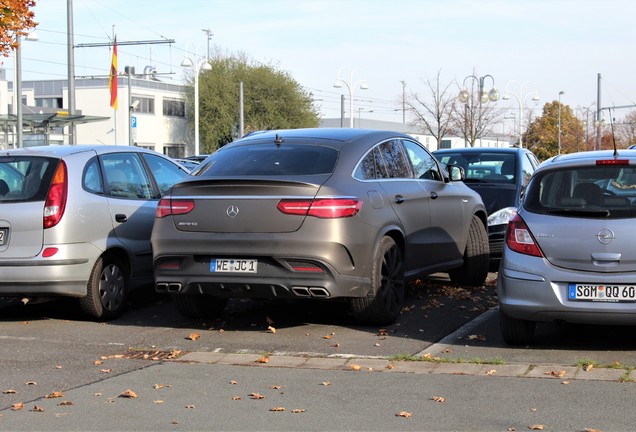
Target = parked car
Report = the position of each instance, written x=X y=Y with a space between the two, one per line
x=76 y=221
x=500 y=176
x=189 y=164
x=197 y=158
x=316 y=214
x=569 y=254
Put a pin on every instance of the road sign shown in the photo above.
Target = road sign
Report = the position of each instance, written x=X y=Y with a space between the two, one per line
x=133 y=121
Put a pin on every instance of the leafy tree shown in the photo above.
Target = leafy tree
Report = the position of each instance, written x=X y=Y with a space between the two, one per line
x=272 y=100
x=434 y=117
x=542 y=134
x=626 y=131
x=16 y=19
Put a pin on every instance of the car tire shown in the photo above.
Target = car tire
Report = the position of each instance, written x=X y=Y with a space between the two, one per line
x=384 y=305
x=199 y=306
x=515 y=331
x=474 y=271
x=106 y=290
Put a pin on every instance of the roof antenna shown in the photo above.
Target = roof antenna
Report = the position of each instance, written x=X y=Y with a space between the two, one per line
x=278 y=140
x=613 y=137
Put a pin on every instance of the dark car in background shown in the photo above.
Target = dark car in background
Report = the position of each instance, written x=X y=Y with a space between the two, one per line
x=569 y=255
x=499 y=175
x=318 y=214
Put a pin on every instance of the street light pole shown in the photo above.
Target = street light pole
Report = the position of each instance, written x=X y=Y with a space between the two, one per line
x=484 y=97
x=559 y=140
x=521 y=100
x=351 y=86
x=196 y=67
x=17 y=90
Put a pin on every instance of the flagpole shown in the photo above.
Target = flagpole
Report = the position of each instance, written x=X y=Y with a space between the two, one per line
x=114 y=109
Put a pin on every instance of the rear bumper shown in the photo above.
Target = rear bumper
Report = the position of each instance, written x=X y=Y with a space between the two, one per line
x=530 y=289
x=64 y=274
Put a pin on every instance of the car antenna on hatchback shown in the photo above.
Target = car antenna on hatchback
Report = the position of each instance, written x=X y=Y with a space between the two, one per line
x=278 y=140
x=612 y=126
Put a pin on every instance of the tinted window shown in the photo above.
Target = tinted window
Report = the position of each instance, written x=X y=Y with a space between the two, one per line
x=423 y=163
x=600 y=191
x=126 y=177
x=92 y=180
x=24 y=178
x=391 y=158
x=166 y=173
x=270 y=160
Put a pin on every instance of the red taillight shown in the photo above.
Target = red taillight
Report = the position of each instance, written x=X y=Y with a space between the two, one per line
x=328 y=208
x=49 y=252
x=56 y=198
x=167 y=207
x=520 y=239
x=612 y=162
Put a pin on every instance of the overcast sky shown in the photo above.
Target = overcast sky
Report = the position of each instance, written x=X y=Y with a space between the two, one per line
x=550 y=45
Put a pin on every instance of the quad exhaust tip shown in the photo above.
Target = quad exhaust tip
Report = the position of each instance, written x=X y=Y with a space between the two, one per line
x=168 y=287
x=310 y=292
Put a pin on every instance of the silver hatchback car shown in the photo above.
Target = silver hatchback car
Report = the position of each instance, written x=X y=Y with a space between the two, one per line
x=317 y=214
x=569 y=254
x=76 y=221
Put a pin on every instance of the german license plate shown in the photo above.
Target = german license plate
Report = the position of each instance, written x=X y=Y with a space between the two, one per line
x=233 y=265
x=3 y=235
x=602 y=293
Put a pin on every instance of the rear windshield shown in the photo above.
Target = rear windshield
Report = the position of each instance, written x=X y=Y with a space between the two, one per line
x=269 y=160
x=596 y=192
x=25 y=178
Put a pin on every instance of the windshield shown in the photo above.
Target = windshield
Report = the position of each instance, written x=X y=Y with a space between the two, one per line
x=488 y=167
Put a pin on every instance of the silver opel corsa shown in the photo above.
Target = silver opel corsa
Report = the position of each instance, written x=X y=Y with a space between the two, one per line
x=76 y=221
x=317 y=214
x=570 y=251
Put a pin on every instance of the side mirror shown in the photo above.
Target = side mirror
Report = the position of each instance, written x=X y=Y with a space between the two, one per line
x=456 y=173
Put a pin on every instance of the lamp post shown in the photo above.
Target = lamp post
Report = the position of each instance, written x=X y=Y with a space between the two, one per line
x=484 y=97
x=351 y=86
x=17 y=88
x=521 y=100
x=559 y=122
x=196 y=66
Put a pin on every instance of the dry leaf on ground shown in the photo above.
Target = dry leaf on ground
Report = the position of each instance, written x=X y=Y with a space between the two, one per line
x=55 y=394
x=65 y=403
x=10 y=391
x=37 y=409
x=356 y=367
x=558 y=374
x=17 y=406
x=536 y=427
x=256 y=396
x=403 y=414
x=298 y=410
x=262 y=360
x=271 y=329
x=440 y=399
x=193 y=336
x=277 y=409
x=128 y=394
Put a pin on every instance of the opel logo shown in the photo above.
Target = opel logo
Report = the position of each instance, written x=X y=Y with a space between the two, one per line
x=605 y=236
x=232 y=211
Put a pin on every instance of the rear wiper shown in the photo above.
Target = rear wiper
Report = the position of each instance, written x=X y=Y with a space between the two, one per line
x=579 y=212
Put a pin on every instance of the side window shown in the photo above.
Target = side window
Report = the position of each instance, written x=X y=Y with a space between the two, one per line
x=392 y=158
x=527 y=168
x=92 y=179
x=423 y=163
x=165 y=172
x=126 y=177
x=366 y=168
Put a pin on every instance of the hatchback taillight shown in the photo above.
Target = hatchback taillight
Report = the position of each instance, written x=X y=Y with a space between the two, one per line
x=520 y=239
x=327 y=208
x=168 y=207
x=56 y=198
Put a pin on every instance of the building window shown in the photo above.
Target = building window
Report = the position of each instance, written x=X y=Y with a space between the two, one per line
x=48 y=102
x=146 y=104
x=174 y=107
x=445 y=143
x=174 y=150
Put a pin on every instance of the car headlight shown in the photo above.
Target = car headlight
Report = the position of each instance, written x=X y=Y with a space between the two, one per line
x=502 y=216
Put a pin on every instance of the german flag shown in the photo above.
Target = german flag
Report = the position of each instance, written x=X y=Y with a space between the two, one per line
x=112 y=84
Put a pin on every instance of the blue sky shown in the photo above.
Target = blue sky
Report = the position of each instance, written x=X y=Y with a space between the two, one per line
x=551 y=45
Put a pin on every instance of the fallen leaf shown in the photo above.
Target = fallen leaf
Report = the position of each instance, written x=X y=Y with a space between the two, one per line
x=511 y=429
x=31 y=383
x=558 y=374
x=614 y=363
x=25 y=322
x=37 y=409
x=566 y=382
x=158 y=386
x=591 y=430
x=298 y=410
x=271 y=329
x=326 y=383
x=440 y=399
x=403 y=414
x=262 y=360
x=98 y=362
x=236 y=398
x=327 y=337
x=190 y=406
x=65 y=403
x=10 y=391
x=98 y=394
x=128 y=394
x=55 y=394
x=427 y=356
x=536 y=427
x=277 y=409
x=116 y=356
x=106 y=370
x=193 y=336
x=276 y=387
x=337 y=345
x=356 y=367
x=157 y=401
x=390 y=366
x=233 y=382
x=588 y=367
x=376 y=344
x=17 y=406
x=491 y=372
x=256 y=396
x=174 y=354
x=534 y=409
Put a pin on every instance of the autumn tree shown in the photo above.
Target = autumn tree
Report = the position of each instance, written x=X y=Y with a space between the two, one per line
x=16 y=19
x=272 y=100
x=626 y=130
x=542 y=135
x=434 y=111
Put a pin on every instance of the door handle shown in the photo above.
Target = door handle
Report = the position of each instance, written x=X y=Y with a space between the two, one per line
x=399 y=199
x=121 y=217
x=434 y=195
